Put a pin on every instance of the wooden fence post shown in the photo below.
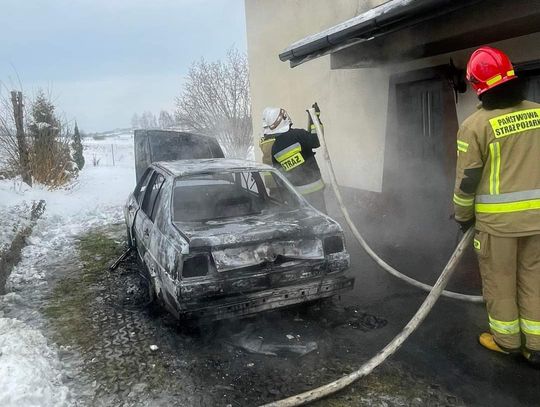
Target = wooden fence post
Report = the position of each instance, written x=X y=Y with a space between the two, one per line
x=24 y=159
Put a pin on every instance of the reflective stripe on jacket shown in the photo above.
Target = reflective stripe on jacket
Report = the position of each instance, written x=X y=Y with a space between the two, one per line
x=498 y=170
x=292 y=153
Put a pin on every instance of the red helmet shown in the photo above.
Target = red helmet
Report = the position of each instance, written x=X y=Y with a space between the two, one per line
x=489 y=67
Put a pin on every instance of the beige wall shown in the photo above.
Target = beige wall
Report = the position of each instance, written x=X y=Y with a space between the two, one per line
x=354 y=102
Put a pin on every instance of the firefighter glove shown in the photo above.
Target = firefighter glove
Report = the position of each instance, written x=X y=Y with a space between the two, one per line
x=466 y=225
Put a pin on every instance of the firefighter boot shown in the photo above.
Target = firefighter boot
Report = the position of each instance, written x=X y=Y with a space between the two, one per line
x=532 y=356
x=487 y=341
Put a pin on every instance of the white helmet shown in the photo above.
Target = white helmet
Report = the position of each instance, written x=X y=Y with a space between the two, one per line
x=275 y=120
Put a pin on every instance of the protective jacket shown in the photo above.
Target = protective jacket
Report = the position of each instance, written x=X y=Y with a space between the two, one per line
x=498 y=170
x=265 y=144
x=292 y=153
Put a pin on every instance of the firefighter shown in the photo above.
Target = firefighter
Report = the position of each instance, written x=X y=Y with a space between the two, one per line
x=498 y=191
x=291 y=151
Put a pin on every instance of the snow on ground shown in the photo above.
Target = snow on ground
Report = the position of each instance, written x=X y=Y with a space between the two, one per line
x=12 y=219
x=30 y=371
x=30 y=374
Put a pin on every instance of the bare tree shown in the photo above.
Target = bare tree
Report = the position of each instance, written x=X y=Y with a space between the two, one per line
x=215 y=101
x=148 y=121
x=135 y=121
x=9 y=148
x=14 y=146
x=165 y=120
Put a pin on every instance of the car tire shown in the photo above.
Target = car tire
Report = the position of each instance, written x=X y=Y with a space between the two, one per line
x=147 y=286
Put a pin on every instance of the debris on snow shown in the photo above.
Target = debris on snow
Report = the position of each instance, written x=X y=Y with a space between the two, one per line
x=257 y=345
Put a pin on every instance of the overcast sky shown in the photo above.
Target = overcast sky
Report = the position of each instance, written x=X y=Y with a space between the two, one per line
x=104 y=60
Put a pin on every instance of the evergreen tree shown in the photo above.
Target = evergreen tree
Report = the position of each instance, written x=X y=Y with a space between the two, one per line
x=77 y=146
x=44 y=126
x=50 y=159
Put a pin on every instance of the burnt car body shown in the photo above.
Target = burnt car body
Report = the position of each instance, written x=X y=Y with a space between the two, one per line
x=216 y=242
x=169 y=145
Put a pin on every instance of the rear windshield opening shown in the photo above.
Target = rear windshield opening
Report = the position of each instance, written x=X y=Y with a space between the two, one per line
x=230 y=194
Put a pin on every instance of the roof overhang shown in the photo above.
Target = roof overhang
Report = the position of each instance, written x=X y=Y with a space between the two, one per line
x=411 y=29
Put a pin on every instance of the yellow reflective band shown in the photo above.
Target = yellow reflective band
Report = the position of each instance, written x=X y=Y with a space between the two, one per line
x=463 y=201
x=508 y=207
x=495 y=153
x=310 y=188
x=516 y=122
x=270 y=140
x=494 y=80
x=510 y=73
x=288 y=154
x=476 y=244
x=530 y=327
x=462 y=146
x=291 y=157
x=504 y=327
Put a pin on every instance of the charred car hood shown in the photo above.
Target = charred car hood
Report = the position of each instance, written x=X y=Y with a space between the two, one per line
x=304 y=222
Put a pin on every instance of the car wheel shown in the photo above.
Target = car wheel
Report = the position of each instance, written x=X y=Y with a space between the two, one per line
x=147 y=286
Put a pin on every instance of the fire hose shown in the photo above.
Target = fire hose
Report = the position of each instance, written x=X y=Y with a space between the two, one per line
x=359 y=237
x=434 y=293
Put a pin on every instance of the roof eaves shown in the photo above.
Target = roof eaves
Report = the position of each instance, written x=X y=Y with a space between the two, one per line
x=335 y=34
x=389 y=16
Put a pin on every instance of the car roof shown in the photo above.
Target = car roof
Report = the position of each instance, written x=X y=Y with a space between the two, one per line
x=187 y=167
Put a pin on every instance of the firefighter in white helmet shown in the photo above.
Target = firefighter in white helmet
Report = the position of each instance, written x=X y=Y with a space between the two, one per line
x=291 y=151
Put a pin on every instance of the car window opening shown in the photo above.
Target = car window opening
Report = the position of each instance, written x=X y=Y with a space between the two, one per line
x=218 y=195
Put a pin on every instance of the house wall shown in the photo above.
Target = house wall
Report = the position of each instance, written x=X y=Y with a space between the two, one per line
x=274 y=24
x=354 y=102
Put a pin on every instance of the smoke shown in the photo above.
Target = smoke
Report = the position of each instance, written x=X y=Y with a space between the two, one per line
x=392 y=142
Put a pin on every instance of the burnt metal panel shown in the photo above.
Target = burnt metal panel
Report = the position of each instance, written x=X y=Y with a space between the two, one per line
x=166 y=145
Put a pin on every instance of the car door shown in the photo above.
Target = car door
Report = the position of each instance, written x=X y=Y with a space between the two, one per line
x=162 y=257
x=134 y=204
x=144 y=221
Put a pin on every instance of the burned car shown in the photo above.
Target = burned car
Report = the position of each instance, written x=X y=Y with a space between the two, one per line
x=215 y=240
x=168 y=145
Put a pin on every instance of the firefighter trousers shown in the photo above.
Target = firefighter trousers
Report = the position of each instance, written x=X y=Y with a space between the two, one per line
x=510 y=270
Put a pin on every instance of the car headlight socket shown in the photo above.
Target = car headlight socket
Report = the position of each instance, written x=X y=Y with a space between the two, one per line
x=333 y=244
x=195 y=266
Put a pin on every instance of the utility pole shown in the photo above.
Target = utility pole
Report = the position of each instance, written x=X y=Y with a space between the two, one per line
x=24 y=160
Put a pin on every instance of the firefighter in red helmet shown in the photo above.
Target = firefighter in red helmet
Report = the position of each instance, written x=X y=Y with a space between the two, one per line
x=497 y=191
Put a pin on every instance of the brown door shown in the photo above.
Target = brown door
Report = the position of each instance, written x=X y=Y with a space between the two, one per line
x=533 y=86
x=419 y=173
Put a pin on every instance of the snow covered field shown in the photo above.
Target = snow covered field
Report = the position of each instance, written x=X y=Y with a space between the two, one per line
x=30 y=371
